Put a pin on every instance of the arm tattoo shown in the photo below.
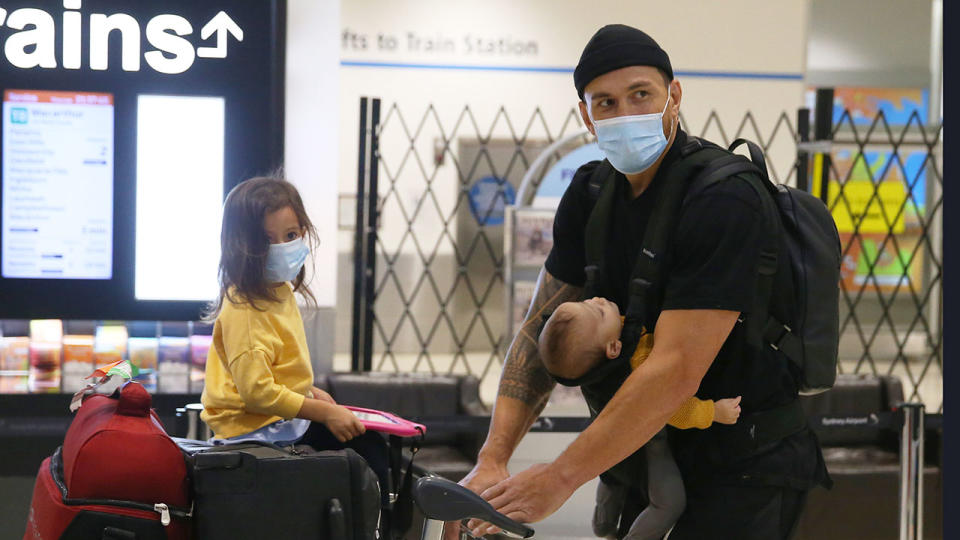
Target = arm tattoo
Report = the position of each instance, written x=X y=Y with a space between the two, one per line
x=524 y=376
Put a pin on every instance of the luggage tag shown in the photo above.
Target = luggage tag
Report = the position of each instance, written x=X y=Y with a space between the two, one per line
x=121 y=368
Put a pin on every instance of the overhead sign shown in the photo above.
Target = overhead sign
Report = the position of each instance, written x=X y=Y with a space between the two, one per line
x=124 y=126
x=169 y=36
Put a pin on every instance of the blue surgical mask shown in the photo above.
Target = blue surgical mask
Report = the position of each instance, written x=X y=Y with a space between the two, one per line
x=284 y=261
x=632 y=143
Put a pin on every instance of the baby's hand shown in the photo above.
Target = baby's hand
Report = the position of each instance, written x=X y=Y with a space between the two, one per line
x=343 y=424
x=726 y=411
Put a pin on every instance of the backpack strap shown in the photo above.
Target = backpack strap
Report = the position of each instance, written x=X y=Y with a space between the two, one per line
x=776 y=334
x=646 y=283
x=601 y=188
x=759 y=323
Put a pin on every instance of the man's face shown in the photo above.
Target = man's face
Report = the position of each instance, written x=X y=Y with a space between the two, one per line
x=630 y=91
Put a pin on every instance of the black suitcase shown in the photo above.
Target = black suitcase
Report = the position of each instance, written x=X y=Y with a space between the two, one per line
x=254 y=490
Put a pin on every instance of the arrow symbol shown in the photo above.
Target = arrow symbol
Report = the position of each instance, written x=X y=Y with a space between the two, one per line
x=221 y=23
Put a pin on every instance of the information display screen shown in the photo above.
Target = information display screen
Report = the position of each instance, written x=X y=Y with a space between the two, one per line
x=58 y=185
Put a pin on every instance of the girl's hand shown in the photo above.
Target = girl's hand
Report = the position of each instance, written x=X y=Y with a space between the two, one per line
x=343 y=424
x=727 y=411
x=317 y=393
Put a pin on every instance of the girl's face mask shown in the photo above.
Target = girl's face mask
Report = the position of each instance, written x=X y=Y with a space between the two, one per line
x=284 y=261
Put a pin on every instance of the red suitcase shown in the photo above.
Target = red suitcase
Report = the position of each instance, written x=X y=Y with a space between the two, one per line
x=118 y=475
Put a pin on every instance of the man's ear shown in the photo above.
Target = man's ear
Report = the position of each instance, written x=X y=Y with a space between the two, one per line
x=676 y=93
x=584 y=114
x=613 y=348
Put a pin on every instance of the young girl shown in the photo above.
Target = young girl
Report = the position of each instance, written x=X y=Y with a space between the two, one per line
x=259 y=380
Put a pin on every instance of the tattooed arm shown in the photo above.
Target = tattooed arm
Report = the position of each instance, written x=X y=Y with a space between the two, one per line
x=525 y=386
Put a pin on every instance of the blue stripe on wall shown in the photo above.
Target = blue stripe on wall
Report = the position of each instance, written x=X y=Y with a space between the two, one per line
x=549 y=69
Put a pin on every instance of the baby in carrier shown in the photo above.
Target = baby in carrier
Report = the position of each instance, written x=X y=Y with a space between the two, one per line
x=579 y=336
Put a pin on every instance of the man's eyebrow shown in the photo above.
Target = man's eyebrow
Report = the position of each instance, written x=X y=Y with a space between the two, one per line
x=639 y=84
x=643 y=83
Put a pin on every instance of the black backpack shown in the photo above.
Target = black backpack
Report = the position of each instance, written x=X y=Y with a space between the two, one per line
x=797 y=302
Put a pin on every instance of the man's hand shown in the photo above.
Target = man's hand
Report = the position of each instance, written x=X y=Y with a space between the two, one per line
x=484 y=475
x=529 y=496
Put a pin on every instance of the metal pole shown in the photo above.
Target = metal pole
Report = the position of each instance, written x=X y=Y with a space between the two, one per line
x=934 y=189
x=370 y=262
x=432 y=530
x=359 y=310
x=803 y=157
x=911 y=472
x=823 y=131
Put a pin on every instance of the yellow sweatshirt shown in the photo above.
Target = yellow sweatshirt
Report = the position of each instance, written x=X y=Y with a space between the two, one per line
x=258 y=369
x=694 y=413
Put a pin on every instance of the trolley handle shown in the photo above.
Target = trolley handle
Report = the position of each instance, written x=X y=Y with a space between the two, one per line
x=443 y=500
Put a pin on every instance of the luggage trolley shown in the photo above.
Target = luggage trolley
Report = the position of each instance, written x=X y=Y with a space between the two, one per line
x=441 y=500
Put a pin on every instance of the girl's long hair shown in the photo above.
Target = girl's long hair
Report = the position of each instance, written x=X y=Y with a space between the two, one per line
x=244 y=244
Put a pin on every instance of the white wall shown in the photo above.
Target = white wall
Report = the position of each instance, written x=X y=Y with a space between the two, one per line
x=743 y=36
x=734 y=37
x=311 y=135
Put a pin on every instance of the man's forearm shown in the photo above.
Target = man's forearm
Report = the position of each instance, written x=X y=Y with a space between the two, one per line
x=685 y=344
x=639 y=409
x=525 y=384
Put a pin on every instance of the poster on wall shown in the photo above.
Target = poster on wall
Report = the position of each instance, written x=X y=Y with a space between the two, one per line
x=898 y=105
x=883 y=200
x=533 y=236
x=522 y=296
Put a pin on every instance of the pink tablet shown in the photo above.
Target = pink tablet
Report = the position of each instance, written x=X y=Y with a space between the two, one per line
x=386 y=422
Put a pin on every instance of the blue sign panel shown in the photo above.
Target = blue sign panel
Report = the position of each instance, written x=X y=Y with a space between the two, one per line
x=488 y=197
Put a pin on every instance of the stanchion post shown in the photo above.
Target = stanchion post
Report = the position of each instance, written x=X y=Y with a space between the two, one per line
x=911 y=472
x=803 y=156
x=359 y=251
x=373 y=215
x=823 y=132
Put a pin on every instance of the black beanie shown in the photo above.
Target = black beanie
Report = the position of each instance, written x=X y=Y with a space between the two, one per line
x=617 y=46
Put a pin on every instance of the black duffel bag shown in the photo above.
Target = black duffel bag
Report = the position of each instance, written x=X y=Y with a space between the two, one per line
x=259 y=490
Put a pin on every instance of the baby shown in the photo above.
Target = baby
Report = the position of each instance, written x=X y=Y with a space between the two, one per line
x=578 y=337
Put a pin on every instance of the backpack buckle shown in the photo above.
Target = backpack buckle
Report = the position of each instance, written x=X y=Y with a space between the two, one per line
x=775 y=343
x=592 y=271
x=638 y=286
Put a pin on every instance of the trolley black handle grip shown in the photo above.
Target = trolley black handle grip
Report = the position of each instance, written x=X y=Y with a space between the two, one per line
x=441 y=499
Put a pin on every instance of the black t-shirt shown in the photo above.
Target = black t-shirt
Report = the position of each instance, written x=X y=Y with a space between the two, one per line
x=711 y=264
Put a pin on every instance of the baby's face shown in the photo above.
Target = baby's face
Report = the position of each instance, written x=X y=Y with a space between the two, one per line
x=598 y=320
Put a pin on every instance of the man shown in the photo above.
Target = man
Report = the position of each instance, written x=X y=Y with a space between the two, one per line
x=631 y=102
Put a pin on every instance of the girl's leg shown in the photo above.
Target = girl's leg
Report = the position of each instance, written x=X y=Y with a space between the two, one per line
x=371 y=446
x=667 y=495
